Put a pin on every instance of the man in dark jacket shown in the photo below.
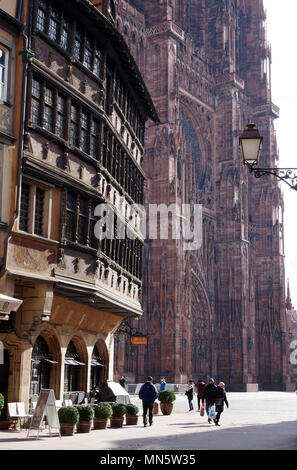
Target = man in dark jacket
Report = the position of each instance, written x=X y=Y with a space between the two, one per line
x=200 y=387
x=148 y=394
x=210 y=394
x=220 y=400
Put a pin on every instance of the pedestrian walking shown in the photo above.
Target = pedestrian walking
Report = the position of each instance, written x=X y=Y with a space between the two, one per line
x=122 y=381
x=200 y=387
x=148 y=394
x=220 y=400
x=190 y=394
x=162 y=385
x=210 y=395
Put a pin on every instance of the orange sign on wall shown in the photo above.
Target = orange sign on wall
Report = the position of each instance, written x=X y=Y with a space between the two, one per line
x=139 y=340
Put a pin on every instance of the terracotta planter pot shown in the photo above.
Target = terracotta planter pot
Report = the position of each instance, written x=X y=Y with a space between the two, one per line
x=156 y=408
x=67 y=429
x=100 y=423
x=84 y=426
x=116 y=422
x=166 y=408
x=131 y=419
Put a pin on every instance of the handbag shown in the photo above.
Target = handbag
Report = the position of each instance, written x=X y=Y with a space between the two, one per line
x=202 y=410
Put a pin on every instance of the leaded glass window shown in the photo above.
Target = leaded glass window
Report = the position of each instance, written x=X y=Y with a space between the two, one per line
x=39 y=211
x=49 y=110
x=95 y=132
x=84 y=132
x=65 y=35
x=71 y=217
x=61 y=116
x=53 y=29
x=36 y=101
x=74 y=126
x=24 y=209
x=83 y=221
x=78 y=45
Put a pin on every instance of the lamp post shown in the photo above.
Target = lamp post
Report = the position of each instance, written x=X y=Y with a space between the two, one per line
x=250 y=142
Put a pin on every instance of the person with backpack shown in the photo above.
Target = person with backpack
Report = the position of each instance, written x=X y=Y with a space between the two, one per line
x=148 y=394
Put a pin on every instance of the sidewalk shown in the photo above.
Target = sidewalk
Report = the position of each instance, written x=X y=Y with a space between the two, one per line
x=263 y=420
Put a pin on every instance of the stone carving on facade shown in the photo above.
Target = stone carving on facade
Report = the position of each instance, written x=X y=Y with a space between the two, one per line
x=45 y=147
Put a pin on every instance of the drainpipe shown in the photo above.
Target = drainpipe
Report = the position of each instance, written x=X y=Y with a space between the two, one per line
x=27 y=55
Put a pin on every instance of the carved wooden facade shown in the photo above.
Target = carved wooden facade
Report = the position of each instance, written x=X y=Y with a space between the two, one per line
x=84 y=123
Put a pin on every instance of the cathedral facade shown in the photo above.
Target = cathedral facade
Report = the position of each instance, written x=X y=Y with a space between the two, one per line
x=218 y=310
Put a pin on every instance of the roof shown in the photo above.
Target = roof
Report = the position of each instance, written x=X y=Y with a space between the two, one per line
x=125 y=56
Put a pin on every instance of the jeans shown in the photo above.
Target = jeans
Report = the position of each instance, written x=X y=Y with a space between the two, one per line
x=147 y=407
x=190 y=404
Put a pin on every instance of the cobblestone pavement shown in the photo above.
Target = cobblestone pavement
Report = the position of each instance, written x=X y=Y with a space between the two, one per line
x=254 y=421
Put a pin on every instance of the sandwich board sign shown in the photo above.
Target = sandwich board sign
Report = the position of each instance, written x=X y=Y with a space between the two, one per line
x=46 y=405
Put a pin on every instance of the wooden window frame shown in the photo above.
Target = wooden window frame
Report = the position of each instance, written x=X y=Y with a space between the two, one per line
x=47 y=209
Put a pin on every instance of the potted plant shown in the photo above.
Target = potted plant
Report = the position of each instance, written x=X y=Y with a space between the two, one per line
x=3 y=424
x=131 y=414
x=166 y=398
x=86 y=414
x=1 y=401
x=103 y=411
x=117 y=418
x=68 y=417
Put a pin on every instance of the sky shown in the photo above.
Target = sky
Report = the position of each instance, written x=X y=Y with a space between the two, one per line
x=281 y=34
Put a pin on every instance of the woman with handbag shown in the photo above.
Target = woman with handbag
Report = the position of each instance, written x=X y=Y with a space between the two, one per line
x=190 y=394
x=220 y=400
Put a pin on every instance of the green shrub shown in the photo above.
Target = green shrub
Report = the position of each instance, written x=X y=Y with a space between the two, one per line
x=131 y=409
x=103 y=410
x=167 y=396
x=1 y=401
x=85 y=412
x=118 y=410
x=68 y=415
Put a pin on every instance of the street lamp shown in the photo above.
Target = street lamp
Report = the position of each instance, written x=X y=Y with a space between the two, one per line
x=250 y=142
